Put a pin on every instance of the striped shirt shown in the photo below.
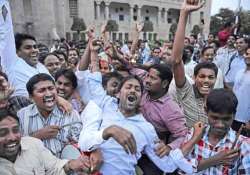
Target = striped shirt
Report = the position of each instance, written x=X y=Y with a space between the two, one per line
x=193 y=104
x=203 y=150
x=31 y=120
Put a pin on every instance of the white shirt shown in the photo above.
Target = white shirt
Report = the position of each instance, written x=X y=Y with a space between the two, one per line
x=18 y=71
x=116 y=161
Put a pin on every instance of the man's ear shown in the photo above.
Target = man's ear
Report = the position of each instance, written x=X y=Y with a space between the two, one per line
x=165 y=84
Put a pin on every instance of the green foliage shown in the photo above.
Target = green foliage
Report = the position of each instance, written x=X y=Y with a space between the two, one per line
x=227 y=15
x=196 y=30
x=78 y=25
x=112 y=26
x=148 y=26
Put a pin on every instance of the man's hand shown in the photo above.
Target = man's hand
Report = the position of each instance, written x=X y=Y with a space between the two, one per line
x=199 y=129
x=48 y=132
x=122 y=136
x=91 y=32
x=82 y=164
x=139 y=27
x=227 y=157
x=64 y=105
x=192 y=5
x=162 y=149
x=104 y=27
x=95 y=160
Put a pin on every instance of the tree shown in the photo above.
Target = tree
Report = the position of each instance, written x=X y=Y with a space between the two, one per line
x=78 y=26
x=196 y=30
x=112 y=26
x=227 y=15
x=148 y=26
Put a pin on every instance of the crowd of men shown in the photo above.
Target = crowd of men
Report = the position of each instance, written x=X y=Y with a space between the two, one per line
x=181 y=107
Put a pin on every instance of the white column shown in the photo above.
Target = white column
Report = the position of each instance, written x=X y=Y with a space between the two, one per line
x=159 y=16
x=131 y=14
x=166 y=16
x=98 y=11
x=106 y=11
x=139 y=14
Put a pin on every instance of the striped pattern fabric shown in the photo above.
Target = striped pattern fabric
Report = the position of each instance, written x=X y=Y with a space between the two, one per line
x=203 y=149
x=192 y=104
x=31 y=120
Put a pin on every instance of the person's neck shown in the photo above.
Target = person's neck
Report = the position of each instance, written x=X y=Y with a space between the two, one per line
x=156 y=95
x=127 y=113
x=248 y=68
x=44 y=113
x=230 y=47
x=241 y=53
x=214 y=138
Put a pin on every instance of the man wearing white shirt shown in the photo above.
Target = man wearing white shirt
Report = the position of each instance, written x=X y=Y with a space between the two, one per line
x=19 y=70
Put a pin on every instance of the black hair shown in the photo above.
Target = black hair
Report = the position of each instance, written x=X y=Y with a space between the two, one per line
x=4 y=113
x=58 y=52
x=20 y=37
x=74 y=49
x=190 y=48
x=69 y=74
x=205 y=65
x=42 y=59
x=36 y=79
x=4 y=75
x=156 y=48
x=124 y=80
x=205 y=49
x=222 y=101
x=106 y=77
x=165 y=72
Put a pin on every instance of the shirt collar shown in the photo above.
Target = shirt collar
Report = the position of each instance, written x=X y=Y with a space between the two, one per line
x=35 y=112
x=137 y=117
x=161 y=100
x=229 y=137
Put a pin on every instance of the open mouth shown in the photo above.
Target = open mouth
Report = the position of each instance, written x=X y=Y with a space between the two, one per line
x=132 y=98
x=12 y=146
x=49 y=101
x=61 y=93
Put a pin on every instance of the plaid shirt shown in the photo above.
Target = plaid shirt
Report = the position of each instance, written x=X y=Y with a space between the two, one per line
x=204 y=150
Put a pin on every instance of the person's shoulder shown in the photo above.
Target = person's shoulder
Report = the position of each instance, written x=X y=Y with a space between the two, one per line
x=21 y=112
x=28 y=142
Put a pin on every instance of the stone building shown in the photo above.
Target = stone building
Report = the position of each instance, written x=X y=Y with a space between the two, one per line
x=48 y=19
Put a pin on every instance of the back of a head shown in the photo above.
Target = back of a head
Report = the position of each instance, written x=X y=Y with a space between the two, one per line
x=36 y=79
x=221 y=101
x=20 y=37
x=205 y=65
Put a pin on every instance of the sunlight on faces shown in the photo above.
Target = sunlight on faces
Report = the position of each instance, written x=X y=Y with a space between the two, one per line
x=64 y=87
x=29 y=52
x=220 y=123
x=205 y=80
x=10 y=138
x=153 y=82
x=208 y=55
x=130 y=95
x=112 y=86
x=44 y=96
x=52 y=63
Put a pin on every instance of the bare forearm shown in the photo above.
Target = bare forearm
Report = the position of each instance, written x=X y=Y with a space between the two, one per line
x=207 y=163
x=179 y=37
x=94 y=62
x=188 y=146
x=135 y=43
x=84 y=62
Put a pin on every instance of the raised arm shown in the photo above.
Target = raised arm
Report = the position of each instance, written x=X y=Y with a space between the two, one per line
x=179 y=72
x=139 y=27
x=85 y=59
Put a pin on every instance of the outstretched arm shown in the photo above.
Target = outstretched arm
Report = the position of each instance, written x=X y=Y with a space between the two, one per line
x=85 y=59
x=179 y=72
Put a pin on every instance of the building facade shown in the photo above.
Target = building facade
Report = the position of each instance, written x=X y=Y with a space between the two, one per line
x=50 y=19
